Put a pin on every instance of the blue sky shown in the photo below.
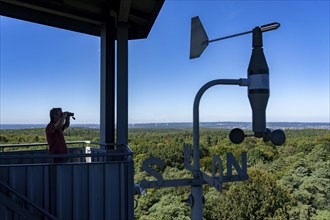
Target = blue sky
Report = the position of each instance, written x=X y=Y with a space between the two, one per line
x=43 y=67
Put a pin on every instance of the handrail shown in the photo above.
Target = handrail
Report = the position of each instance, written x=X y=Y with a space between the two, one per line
x=29 y=202
x=113 y=144
x=34 y=156
x=125 y=151
x=42 y=144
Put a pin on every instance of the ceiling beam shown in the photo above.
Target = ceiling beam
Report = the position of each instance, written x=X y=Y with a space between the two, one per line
x=124 y=10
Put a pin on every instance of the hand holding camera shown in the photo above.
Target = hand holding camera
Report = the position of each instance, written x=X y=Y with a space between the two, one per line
x=69 y=114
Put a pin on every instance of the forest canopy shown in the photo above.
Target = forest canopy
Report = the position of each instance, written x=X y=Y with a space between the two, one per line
x=285 y=182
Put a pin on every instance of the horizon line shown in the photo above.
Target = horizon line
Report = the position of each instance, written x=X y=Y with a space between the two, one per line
x=174 y=122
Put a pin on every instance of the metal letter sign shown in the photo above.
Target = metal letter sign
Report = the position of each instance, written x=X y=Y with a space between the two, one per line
x=258 y=93
x=213 y=180
x=146 y=167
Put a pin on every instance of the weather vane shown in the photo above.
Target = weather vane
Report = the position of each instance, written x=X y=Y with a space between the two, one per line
x=258 y=94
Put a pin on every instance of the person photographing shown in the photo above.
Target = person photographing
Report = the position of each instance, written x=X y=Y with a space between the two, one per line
x=59 y=121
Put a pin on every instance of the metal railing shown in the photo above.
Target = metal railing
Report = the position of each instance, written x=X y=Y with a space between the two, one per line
x=87 y=152
x=28 y=145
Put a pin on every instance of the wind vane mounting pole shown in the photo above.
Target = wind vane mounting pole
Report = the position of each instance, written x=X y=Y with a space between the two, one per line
x=258 y=94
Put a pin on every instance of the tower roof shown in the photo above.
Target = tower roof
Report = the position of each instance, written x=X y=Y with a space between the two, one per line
x=86 y=16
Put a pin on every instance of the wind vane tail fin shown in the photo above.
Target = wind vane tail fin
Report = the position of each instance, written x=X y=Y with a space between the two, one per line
x=198 y=38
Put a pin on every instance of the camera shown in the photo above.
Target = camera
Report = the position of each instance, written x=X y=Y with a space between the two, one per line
x=71 y=114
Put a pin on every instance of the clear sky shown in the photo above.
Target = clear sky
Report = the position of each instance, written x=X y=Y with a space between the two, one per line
x=43 y=67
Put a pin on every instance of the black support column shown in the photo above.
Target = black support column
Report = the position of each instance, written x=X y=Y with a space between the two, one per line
x=122 y=83
x=107 y=105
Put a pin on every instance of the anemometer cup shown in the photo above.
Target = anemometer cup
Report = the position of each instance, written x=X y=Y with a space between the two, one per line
x=276 y=137
x=236 y=136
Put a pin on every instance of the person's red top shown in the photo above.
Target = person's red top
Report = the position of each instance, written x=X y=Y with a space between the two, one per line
x=55 y=139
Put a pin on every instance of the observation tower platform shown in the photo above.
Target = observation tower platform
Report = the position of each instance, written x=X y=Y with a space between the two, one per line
x=85 y=187
x=98 y=184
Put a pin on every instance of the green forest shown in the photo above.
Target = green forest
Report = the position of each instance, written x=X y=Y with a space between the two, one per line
x=285 y=182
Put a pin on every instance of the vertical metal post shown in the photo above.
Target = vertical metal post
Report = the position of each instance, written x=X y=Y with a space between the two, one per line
x=107 y=105
x=122 y=115
x=197 y=190
x=122 y=83
x=130 y=189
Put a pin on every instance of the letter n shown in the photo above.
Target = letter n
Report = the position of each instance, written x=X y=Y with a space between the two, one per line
x=242 y=171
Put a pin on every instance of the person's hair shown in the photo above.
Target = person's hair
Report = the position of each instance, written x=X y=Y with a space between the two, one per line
x=53 y=112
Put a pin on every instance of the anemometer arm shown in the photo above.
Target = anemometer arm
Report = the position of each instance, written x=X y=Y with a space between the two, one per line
x=240 y=82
